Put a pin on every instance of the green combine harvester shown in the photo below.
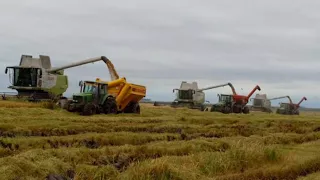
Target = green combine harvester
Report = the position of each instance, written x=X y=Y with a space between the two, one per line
x=36 y=80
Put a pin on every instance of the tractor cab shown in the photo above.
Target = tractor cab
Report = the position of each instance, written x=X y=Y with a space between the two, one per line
x=225 y=98
x=91 y=91
x=286 y=106
x=224 y=103
x=90 y=98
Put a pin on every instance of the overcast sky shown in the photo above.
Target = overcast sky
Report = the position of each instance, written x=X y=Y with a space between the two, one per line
x=160 y=43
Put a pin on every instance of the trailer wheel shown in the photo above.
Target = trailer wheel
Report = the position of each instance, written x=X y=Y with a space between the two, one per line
x=89 y=109
x=136 y=108
x=245 y=110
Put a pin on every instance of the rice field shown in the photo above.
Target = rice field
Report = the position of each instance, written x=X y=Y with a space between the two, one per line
x=161 y=143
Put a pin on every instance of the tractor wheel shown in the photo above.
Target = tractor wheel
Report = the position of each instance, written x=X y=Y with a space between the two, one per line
x=246 y=110
x=89 y=109
x=110 y=106
x=226 y=110
x=68 y=107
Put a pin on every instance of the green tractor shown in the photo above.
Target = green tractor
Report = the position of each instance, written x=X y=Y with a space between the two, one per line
x=287 y=109
x=92 y=99
x=224 y=104
x=290 y=108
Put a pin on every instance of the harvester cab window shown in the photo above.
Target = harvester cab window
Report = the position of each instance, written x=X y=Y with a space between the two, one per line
x=185 y=94
x=26 y=77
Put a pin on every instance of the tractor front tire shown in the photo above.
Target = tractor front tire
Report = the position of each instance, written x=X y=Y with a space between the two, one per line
x=68 y=106
x=110 y=106
x=226 y=110
x=89 y=109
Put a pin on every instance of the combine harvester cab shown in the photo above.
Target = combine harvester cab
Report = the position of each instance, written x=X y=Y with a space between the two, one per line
x=290 y=108
x=187 y=96
x=94 y=98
